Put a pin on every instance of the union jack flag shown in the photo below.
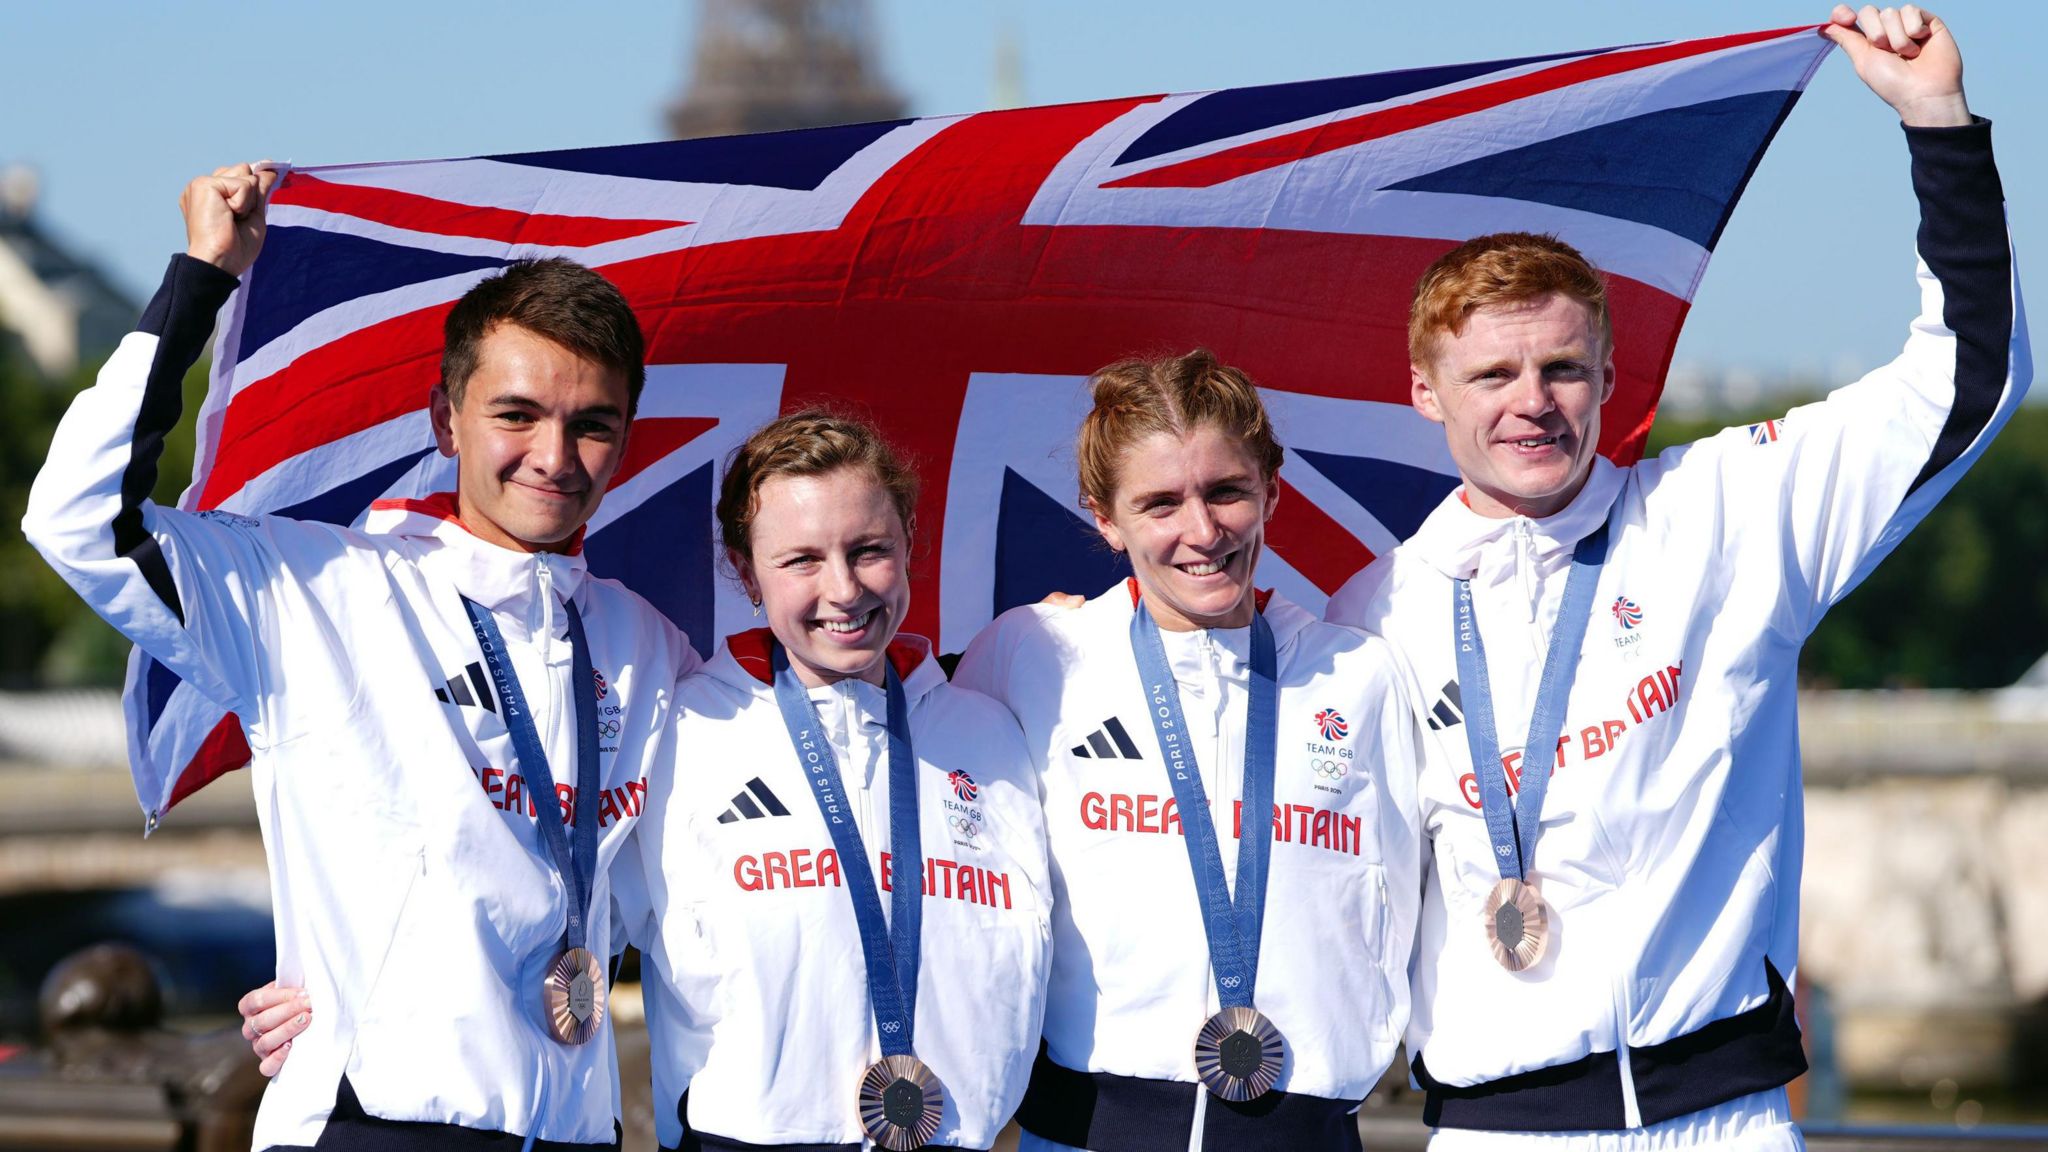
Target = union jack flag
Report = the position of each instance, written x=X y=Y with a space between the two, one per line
x=963 y=785
x=1766 y=432
x=1626 y=613
x=957 y=278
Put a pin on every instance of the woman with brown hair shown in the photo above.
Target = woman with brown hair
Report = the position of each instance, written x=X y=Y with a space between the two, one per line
x=1229 y=802
x=825 y=771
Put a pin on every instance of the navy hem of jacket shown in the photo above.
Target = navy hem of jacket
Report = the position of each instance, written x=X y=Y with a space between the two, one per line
x=695 y=1141
x=1725 y=1060
x=180 y=316
x=1106 y=1113
x=351 y=1129
x=1963 y=240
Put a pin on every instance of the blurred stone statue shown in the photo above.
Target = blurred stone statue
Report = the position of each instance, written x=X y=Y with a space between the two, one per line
x=102 y=1014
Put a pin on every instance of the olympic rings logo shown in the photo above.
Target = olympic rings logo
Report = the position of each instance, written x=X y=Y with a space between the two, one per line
x=1328 y=769
x=608 y=730
x=963 y=826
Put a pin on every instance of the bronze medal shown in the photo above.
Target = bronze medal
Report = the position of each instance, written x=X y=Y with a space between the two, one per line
x=574 y=996
x=1517 y=924
x=901 y=1103
x=1239 y=1054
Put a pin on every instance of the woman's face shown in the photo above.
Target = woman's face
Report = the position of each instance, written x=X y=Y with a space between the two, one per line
x=830 y=568
x=1191 y=513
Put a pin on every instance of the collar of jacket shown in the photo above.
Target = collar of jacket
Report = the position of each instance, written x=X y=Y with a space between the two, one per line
x=1454 y=537
x=742 y=661
x=504 y=580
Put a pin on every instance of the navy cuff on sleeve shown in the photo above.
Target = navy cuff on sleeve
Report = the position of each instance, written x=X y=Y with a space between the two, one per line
x=185 y=303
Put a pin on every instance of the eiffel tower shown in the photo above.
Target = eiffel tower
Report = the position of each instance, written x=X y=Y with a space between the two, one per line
x=772 y=65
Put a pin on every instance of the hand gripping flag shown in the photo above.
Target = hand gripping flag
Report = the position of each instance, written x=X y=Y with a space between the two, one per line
x=957 y=279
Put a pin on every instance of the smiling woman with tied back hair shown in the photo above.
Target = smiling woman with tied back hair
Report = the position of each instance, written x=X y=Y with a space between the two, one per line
x=802 y=993
x=1229 y=802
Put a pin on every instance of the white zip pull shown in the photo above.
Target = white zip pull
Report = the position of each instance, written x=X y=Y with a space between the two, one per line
x=1525 y=562
x=545 y=578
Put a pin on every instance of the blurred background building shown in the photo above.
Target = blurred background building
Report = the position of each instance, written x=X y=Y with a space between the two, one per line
x=774 y=65
x=59 y=308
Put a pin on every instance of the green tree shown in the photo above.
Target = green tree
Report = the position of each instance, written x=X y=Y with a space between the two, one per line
x=48 y=637
x=1963 y=602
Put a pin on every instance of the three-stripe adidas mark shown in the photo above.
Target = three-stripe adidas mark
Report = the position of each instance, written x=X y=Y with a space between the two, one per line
x=754 y=802
x=1109 y=742
x=457 y=691
x=1449 y=709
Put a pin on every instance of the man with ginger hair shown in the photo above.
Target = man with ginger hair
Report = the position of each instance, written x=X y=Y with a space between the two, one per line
x=1607 y=943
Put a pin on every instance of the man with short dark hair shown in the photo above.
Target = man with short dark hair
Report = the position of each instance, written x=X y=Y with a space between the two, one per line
x=451 y=721
x=1604 y=957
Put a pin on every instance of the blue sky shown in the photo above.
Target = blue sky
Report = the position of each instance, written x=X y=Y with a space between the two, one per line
x=117 y=104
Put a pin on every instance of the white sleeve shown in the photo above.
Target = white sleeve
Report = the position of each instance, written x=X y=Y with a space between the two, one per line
x=679 y=972
x=1835 y=485
x=985 y=666
x=190 y=590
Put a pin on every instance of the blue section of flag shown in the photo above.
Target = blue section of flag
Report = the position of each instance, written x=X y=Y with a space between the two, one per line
x=662 y=550
x=305 y=270
x=344 y=502
x=1220 y=115
x=797 y=160
x=1400 y=496
x=1041 y=548
x=158 y=684
x=1679 y=170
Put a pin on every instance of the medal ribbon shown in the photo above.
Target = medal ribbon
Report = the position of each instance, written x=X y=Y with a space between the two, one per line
x=1515 y=825
x=891 y=955
x=575 y=862
x=1233 y=927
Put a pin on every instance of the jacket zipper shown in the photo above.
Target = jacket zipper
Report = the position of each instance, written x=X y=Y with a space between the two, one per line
x=544 y=578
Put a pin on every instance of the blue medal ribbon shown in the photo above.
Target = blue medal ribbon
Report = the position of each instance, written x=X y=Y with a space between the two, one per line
x=575 y=862
x=1233 y=927
x=1515 y=824
x=890 y=949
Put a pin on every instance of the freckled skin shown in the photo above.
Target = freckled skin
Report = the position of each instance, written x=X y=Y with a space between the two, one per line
x=1189 y=501
x=829 y=548
x=1518 y=392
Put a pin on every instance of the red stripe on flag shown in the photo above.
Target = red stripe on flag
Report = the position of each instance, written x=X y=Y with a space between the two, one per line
x=654 y=437
x=224 y=750
x=418 y=213
x=1315 y=545
x=325 y=394
x=1260 y=155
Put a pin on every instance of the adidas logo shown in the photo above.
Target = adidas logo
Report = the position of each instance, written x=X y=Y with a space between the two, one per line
x=457 y=691
x=1449 y=709
x=1109 y=742
x=751 y=802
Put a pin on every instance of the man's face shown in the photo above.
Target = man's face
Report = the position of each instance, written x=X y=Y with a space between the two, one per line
x=536 y=439
x=1519 y=393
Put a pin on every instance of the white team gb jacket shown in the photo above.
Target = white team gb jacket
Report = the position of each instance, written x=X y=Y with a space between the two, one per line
x=1131 y=981
x=1672 y=834
x=761 y=1011
x=414 y=899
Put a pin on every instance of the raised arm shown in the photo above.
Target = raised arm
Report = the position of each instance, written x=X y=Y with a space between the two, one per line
x=1831 y=489
x=90 y=514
